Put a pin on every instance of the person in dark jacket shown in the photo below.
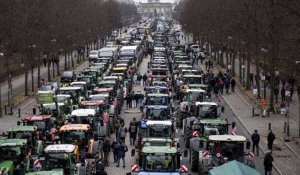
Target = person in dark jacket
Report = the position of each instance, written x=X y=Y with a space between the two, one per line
x=271 y=138
x=133 y=131
x=115 y=147
x=121 y=153
x=233 y=83
x=100 y=168
x=255 y=141
x=268 y=163
x=106 y=150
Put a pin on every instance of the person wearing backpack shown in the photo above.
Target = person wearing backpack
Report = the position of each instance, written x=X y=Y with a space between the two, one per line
x=133 y=131
x=121 y=153
x=122 y=133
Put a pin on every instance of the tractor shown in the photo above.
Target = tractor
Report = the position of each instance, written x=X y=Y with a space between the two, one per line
x=219 y=149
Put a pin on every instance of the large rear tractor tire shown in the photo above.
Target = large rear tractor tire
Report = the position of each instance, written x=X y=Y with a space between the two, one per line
x=195 y=160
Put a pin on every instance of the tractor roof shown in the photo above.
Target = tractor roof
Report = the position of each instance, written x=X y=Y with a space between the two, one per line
x=37 y=117
x=196 y=90
x=227 y=138
x=83 y=112
x=159 y=149
x=206 y=104
x=75 y=127
x=213 y=122
x=92 y=103
x=156 y=107
x=13 y=142
x=60 y=148
x=158 y=95
x=159 y=122
x=78 y=83
x=69 y=88
x=23 y=129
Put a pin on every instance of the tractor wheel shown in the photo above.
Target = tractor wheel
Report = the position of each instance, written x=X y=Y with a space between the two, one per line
x=200 y=171
x=195 y=160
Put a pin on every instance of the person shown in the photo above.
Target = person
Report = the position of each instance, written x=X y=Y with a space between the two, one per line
x=276 y=93
x=268 y=163
x=255 y=141
x=133 y=131
x=100 y=168
x=282 y=93
x=122 y=133
x=145 y=79
x=121 y=153
x=271 y=138
x=128 y=100
x=251 y=76
x=233 y=83
x=106 y=150
x=115 y=146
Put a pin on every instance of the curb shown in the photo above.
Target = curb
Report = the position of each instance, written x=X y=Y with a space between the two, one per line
x=250 y=132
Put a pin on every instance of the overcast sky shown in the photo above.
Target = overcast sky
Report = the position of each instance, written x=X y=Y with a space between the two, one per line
x=160 y=0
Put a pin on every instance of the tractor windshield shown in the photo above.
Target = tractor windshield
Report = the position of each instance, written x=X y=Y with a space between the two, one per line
x=196 y=96
x=9 y=152
x=158 y=162
x=157 y=101
x=231 y=150
x=159 y=131
x=157 y=114
x=74 y=137
x=41 y=124
x=59 y=160
x=207 y=111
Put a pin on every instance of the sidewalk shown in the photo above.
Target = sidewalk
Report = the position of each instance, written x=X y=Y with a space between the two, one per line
x=283 y=152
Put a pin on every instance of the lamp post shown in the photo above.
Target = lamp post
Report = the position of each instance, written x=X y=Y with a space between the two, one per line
x=32 y=46
x=265 y=71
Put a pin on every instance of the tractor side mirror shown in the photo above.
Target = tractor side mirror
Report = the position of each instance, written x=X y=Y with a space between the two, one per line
x=129 y=173
x=185 y=153
x=201 y=144
x=248 y=144
x=191 y=123
x=132 y=152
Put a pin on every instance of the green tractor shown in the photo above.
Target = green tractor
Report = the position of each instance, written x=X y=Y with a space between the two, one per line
x=15 y=156
x=164 y=159
x=60 y=159
x=200 y=133
x=30 y=133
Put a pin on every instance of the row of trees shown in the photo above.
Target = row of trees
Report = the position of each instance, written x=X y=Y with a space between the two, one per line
x=264 y=32
x=40 y=30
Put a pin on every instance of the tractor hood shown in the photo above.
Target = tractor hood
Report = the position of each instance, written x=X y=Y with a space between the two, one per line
x=6 y=166
x=158 y=173
x=52 y=172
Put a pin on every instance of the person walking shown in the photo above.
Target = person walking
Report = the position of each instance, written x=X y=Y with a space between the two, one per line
x=121 y=153
x=100 y=168
x=145 y=79
x=268 y=163
x=282 y=93
x=122 y=133
x=233 y=83
x=106 y=150
x=271 y=138
x=115 y=146
x=276 y=93
x=133 y=131
x=255 y=141
x=251 y=76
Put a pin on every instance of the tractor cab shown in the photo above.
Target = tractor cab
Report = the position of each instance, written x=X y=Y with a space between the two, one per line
x=158 y=99
x=155 y=112
x=158 y=89
x=159 y=129
x=56 y=111
x=86 y=78
x=77 y=134
x=97 y=105
x=157 y=159
x=94 y=73
x=64 y=98
x=76 y=93
x=42 y=122
x=61 y=158
x=207 y=110
x=222 y=149
x=192 y=79
x=15 y=156
x=82 y=85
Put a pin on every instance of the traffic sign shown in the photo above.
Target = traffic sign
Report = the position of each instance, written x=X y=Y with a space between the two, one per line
x=195 y=134
x=134 y=168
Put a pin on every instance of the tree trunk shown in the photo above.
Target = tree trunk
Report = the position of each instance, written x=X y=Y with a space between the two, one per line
x=72 y=60
x=26 y=82
x=53 y=70
x=57 y=67
x=49 y=72
x=257 y=76
x=248 y=70
x=39 y=70
x=66 y=65
x=32 y=78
